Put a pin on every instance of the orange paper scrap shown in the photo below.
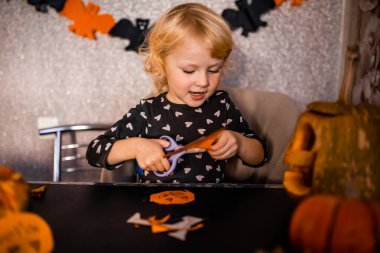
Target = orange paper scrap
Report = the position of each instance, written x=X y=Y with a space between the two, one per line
x=172 y=197
x=39 y=191
x=294 y=2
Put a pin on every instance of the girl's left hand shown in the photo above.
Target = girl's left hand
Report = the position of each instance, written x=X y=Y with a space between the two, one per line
x=226 y=146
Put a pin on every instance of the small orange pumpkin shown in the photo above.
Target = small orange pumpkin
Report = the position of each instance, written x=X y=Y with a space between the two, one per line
x=327 y=223
x=14 y=191
x=19 y=229
x=25 y=232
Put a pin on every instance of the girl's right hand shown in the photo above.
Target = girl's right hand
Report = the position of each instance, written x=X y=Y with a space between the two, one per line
x=150 y=154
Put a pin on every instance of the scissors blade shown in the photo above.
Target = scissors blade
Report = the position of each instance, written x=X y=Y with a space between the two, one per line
x=199 y=145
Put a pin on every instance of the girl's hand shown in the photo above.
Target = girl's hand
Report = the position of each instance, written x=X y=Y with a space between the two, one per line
x=226 y=146
x=150 y=154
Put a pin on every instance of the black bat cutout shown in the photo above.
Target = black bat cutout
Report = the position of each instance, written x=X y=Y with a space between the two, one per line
x=41 y=5
x=249 y=15
x=135 y=34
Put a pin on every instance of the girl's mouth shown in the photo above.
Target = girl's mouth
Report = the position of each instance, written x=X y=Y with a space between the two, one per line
x=197 y=95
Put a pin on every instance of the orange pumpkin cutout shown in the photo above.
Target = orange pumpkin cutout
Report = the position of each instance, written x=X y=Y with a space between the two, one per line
x=172 y=197
x=326 y=223
x=334 y=148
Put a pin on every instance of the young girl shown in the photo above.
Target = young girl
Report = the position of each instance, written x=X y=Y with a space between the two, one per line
x=185 y=53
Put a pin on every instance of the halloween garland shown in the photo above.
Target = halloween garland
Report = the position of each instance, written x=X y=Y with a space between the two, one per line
x=87 y=20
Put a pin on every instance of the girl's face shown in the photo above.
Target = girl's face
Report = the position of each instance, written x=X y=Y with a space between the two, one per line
x=192 y=74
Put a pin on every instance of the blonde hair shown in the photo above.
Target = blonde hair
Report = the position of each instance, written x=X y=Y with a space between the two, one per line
x=172 y=29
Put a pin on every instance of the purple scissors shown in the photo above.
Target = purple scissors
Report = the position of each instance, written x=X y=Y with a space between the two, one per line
x=175 y=151
x=173 y=159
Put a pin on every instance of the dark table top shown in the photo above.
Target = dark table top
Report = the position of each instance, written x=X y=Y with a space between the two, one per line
x=92 y=218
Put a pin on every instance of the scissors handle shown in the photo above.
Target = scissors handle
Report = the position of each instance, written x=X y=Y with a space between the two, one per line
x=172 y=159
x=172 y=143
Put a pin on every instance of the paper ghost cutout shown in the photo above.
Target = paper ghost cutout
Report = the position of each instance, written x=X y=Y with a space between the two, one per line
x=86 y=18
x=135 y=34
x=177 y=230
x=248 y=15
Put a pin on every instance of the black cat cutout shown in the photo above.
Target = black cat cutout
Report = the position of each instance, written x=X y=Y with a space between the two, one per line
x=41 y=5
x=248 y=15
x=135 y=34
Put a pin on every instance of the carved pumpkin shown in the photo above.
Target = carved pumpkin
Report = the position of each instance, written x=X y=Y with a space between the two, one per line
x=335 y=146
x=14 y=191
x=335 y=150
x=326 y=223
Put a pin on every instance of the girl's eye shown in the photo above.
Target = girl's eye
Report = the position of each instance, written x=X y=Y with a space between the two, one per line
x=214 y=70
x=188 y=71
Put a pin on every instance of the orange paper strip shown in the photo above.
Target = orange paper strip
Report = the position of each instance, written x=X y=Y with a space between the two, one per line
x=201 y=143
x=294 y=2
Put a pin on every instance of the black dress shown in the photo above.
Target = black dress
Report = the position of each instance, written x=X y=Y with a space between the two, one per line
x=157 y=116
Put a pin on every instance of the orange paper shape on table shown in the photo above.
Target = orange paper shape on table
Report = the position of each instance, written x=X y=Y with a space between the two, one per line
x=25 y=232
x=172 y=197
x=86 y=18
x=159 y=226
x=294 y=2
x=38 y=192
x=177 y=230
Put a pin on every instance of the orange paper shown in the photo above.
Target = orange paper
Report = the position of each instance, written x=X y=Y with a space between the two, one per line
x=39 y=191
x=294 y=2
x=159 y=226
x=204 y=142
x=86 y=18
x=172 y=197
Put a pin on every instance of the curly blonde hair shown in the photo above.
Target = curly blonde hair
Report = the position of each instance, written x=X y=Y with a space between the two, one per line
x=171 y=29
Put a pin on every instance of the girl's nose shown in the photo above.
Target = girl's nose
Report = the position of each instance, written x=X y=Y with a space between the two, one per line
x=202 y=80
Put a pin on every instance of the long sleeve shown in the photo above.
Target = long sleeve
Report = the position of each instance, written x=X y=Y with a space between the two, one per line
x=236 y=122
x=130 y=125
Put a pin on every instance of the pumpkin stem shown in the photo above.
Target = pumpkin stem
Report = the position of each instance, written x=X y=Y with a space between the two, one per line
x=351 y=63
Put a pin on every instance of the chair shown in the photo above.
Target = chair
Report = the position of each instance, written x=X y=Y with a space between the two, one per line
x=70 y=145
x=272 y=115
x=125 y=173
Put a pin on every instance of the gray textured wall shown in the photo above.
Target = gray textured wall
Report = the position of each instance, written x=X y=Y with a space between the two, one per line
x=47 y=71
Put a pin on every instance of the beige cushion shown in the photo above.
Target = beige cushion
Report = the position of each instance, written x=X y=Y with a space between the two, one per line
x=273 y=116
